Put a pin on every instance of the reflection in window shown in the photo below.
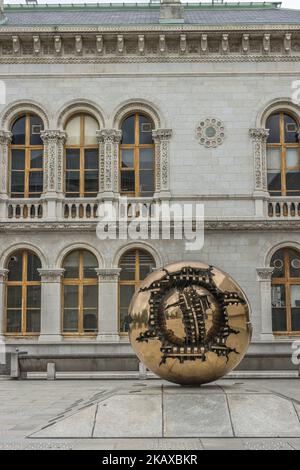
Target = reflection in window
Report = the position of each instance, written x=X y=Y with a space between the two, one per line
x=286 y=291
x=23 y=294
x=80 y=293
x=135 y=266
x=137 y=156
x=26 y=157
x=81 y=157
x=283 y=157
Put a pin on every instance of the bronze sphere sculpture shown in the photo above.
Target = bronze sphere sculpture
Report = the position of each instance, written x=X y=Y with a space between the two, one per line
x=190 y=323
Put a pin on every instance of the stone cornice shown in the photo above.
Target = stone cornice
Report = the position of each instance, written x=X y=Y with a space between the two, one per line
x=170 y=45
x=218 y=225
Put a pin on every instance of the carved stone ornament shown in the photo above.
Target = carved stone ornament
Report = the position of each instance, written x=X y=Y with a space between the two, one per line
x=211 y=132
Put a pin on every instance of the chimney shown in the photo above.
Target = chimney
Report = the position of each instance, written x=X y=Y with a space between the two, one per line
x=171 y=11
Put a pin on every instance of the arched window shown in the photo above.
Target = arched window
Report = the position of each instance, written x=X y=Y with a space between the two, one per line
x=137 y=156
x=286 y=291
x=135 y=266
x=23 y=294
x=81 y=157
x=283 y=155
x=26 y=157
x=80 y=293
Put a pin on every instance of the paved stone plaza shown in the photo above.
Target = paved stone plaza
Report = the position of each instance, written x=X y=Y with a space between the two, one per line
x=151 y=414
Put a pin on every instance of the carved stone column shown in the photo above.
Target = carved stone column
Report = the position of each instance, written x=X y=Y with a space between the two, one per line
x=265 y=280
x=51 y=304
x=109 y=140
x=108 y=316
x=5 y=139
x=3 y=278
x=54 y=141
x=162 y=163
x=259 y=138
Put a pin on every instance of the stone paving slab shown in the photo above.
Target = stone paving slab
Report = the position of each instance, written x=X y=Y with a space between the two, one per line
x=263 y=415
x=191 y=415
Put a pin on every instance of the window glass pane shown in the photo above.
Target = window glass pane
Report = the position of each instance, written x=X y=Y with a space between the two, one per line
x=91 y=159
x=295 y=305
x=146 y=181
x=89 y=264
x=293 y=182
x=72 y=181
x=277 y=263
x=91 y=126
x=15 y=266
x=71 y=297
x=70 y=321
x=279 y=308
x=71 y=265
x=33 y=321
x=274 y=182
x=17 y=182
x=14 y=321
x=290 y=129
x=127 y=158
x=128 y=130
x=14 y=297
x=127 y=265
x=146 y=159
x=90 y=297
x=18 y=130
x=33 y=264
x=36 y=182
x=72 y=159
x=33 y=297
x=90 y=320
x=274 y=159
x=91 y=182
x=36 y=159
x=292 y=158
x=17 y=159
x=126 y=294
x=36 y=126
x=274 y=127
x=145 y=130
x=73 y=131
x=127 y=181
x=294 y=263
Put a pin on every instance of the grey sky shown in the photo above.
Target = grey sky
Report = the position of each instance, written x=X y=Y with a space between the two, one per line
x=285 y=3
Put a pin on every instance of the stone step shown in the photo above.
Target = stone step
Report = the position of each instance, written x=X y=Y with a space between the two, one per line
x=278 y=374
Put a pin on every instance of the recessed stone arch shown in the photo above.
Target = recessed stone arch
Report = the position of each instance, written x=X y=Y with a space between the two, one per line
x=78 y=246
x=9 y=251
x=276 y=105
x=79 y=106
x=137 y=105
x=138 y=246
x=17 y=108
x=289 y=244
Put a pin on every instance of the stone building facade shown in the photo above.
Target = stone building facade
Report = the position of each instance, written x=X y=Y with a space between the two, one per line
x=210 y=90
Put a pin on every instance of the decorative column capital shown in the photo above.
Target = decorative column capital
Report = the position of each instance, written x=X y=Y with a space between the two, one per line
x=5 y=137
x=108 y=274
x=161 y=134
x=53 y=135
x=259 y=134
x=264 y=274
x=109 y=136
x=51 y=275
x=3 y=274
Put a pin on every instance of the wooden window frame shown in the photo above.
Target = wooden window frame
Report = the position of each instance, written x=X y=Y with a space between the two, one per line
x=136 y=147
x=27 y=147
x=287 y=281
x=81 y=281
x=283 y=146
x=81 y=147
x=136 y=282
x=24 y=283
